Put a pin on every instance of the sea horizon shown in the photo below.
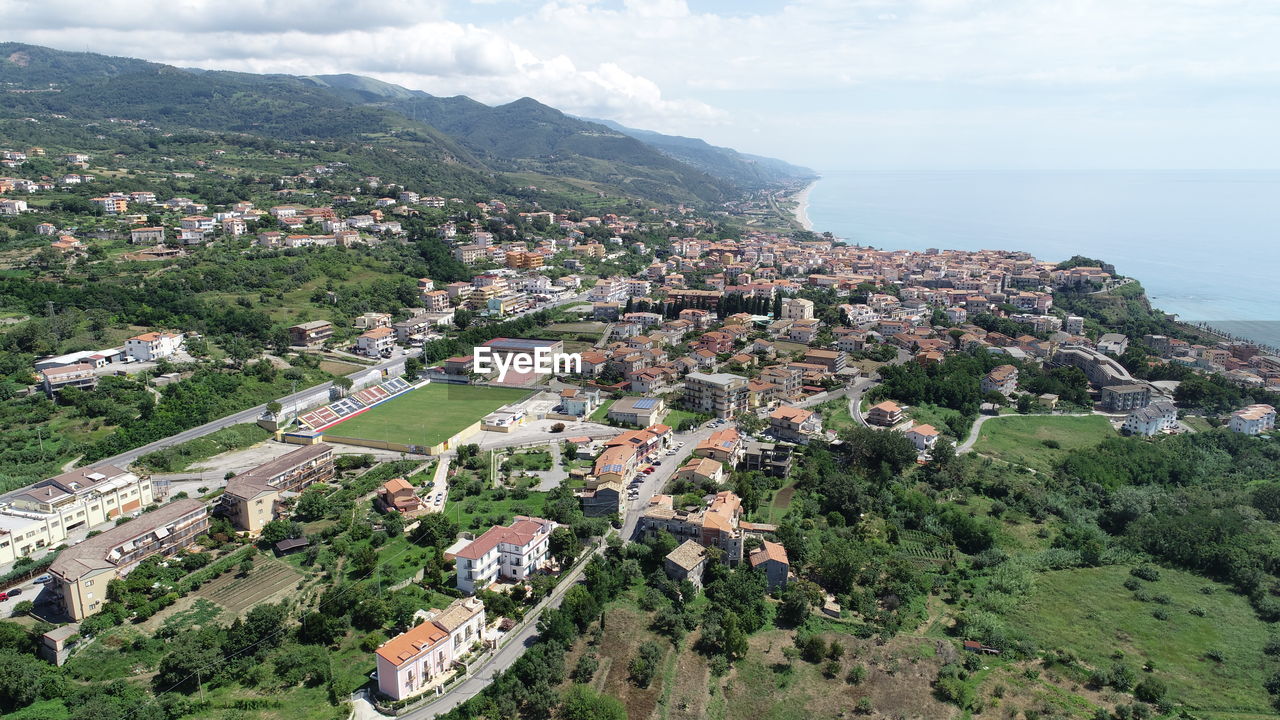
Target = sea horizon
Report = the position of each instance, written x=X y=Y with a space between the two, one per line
x=1200 y=241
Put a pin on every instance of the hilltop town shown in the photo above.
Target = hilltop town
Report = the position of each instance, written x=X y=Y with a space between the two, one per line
x=249 y=456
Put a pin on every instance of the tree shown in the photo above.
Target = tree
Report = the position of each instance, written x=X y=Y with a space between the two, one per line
x=364 y=560
x=189 y=663
x=412 y=367
x=25 y=679
x=734 y=637
x=435 y=530
x=644 y=666
x=279 y=529
x=321 y=629
x=313 y=504
x=564 y=545
x=583 y=703
x=246 y=565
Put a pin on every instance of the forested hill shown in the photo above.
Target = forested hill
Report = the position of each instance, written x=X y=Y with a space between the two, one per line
x=744 y=169
x=457 y=138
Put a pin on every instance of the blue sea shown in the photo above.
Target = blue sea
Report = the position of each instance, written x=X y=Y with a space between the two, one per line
x=1204 y=244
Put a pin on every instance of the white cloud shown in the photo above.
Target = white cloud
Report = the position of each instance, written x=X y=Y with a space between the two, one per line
x=749 y=74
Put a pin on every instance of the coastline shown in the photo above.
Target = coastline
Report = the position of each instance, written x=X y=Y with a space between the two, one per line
x=801 y=210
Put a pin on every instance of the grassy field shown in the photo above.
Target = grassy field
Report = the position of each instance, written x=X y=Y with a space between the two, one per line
x=675 y=416
x=429 y=415
x=1022 y=439
x=835 y=414
x=1114 y=622
x=935 y=416
x=601 y=412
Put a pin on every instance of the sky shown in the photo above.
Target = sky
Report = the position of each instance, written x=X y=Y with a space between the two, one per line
x=831 y=84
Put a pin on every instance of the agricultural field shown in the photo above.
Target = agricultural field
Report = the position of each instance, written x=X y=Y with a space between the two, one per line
x=429 y=415
x=1208 y=650
x=1040 y=442
x=269 y=580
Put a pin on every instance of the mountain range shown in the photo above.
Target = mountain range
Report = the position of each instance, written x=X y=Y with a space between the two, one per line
x=454 y=136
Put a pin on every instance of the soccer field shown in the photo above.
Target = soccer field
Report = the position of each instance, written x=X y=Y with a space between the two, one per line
x=427 y=416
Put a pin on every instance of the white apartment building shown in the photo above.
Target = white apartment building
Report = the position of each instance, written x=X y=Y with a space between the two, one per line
x=720 y=394
x=42 y=515
x=797 y=309
x=1151 y=420
x=1253 y=420
x=371 y=343
x=504 y=552
x=152 y=346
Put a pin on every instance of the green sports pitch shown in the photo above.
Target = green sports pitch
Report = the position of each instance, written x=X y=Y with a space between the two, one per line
x=427 y=416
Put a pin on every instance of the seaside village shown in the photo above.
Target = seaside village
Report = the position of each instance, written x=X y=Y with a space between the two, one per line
x=719 y=356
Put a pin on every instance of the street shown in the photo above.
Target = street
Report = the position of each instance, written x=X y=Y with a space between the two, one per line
x=504 y=657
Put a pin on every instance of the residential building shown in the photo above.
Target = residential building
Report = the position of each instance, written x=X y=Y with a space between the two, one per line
x=581 y=402
x=371 y=320
x=1002 y=379
x=511 y=552
x=603 y=500
x=794 y=424
x=152 y=346
x=886 y=413
x=42 y=515
x=797 y=309
x=701 y=469
x=80 y=376
x=771 y=559
x=422 y=657
x=722 y=395
x=147 y=236
x=1151 y=420
x=924 y=437
x=1253 y=420
x=397 y=495
x=312 y=333
x=1113 y=343
x=1126 y=397
x=373 y=343
x=722 y=446
x=769 y=458
x=718 y=524
x=833 y=360
x=82 y=572
x=254 y=497
x=687 y=562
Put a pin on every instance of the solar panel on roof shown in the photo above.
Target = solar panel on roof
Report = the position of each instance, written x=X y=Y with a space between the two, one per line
x=645 y=404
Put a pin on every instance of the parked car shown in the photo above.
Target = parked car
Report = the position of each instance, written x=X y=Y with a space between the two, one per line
x=43 y=579
x=4 y=596
x=15 y=592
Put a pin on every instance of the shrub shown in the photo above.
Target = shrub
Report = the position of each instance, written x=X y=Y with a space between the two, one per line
x=1145 y=572
x=856 y=675
x=1150 y=690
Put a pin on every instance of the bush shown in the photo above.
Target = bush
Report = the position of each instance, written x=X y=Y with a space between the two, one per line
x=856 y=675
x=1151 y=690
x=644 y=666
x=586 y=668
x=1145 y=572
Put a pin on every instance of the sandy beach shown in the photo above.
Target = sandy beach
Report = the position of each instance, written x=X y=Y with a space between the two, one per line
x=801 y=211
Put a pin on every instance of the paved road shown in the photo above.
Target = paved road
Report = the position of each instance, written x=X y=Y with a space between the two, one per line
x=244 y=416
x=504 y=658
x=653 y=483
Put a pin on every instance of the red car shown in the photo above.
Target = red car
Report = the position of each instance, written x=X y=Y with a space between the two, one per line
x=648 y=470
